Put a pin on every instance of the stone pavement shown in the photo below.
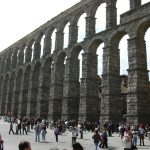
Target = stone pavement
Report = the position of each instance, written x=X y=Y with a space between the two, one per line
x=11 y=141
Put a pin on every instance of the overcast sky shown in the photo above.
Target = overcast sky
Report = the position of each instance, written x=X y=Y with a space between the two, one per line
x=20 y=17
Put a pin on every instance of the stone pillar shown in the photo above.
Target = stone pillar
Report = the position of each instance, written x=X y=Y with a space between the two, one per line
x=20 y=100
x=134 y=3
x=7 y=104
x=1 y=94
x=28 y=54
x=4 y=95
x=138 y=103
x=59 y=42
x=56 y=92
x=16 y=94
x=90 y=26
x=40 y=94
x=3 y=65
x=111 y=103
x=43 y=91
x=73 y=34
x=71 y=90
x=24 y=94
x=0 y=65
x=8 y=62
x=47 y=46
x=14 y=107
x=111 y=15
x=32 y=97
x=36 y=51
x=33 y=92
x=10 y=94
x=89 y=100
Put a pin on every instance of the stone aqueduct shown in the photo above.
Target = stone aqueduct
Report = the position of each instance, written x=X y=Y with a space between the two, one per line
x=50 y=88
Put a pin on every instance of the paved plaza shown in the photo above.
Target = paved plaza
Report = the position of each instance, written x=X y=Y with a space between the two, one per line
x=11 y=141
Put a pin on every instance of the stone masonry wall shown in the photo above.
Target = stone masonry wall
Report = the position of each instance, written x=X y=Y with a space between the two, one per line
x=49 y=85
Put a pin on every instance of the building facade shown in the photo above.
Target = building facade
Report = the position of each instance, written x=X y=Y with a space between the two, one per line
x=49 y=86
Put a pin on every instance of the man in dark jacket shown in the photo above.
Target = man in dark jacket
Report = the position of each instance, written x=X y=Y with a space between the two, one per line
x=96 y=138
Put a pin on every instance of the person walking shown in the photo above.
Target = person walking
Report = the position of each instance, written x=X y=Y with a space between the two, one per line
x=81 y=132
x=19 y=126
x=104 y=139
x=43 y=132
x=96 y=137
x=24 y=127
x=134 y=138
x=37 y=129
x=11 y=128
x=127 y=140
x=74 y=135
x=141 y=135
x=56 y=132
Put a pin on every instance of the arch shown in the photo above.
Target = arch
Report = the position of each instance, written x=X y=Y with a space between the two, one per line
x=29 y=51
x=123 y=47
x=142 y=32
x=75 y=51
x=117 y=37
x=94 y=45
x=96 y=68
x=81 y=27
x=53 y=40
x=119 y=73
x=147 y=34
x=61 y=57
x=19 y=51
x=142 y=28
x=115 y=44
x=24 y=53
x=122 y=8
x=8 y=61
x=76 y=56
x=40 y=44
x=14 y=59
x=101 y=18
x=66 y=35
x=76 y=17
x=21 y=55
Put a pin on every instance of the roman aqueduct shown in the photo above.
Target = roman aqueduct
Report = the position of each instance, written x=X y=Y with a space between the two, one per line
x=49 y=86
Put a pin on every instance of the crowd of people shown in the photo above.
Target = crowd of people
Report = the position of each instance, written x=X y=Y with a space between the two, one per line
x=129 y=134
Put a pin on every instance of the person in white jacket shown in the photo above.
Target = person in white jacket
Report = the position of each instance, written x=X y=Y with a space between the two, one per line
x=127 y=141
